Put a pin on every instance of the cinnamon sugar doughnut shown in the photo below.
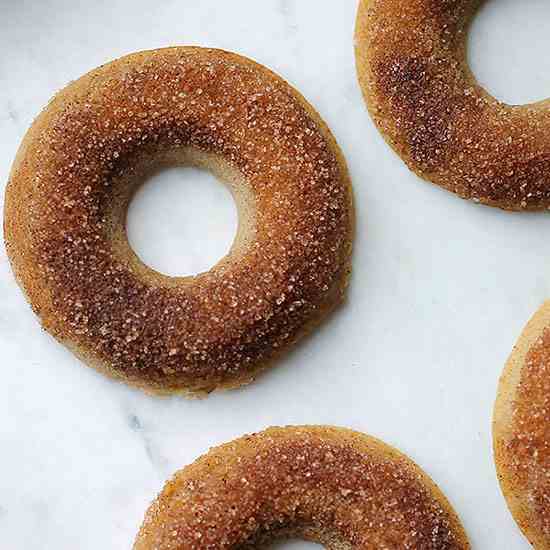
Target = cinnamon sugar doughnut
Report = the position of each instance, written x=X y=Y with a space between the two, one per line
x=329 y=485
x=521 y=431
x=95 y=143
x=424 y=99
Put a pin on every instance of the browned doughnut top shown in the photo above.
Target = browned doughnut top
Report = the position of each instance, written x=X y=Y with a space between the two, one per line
x=80 y=164
x=411 y=61
x=522 y=431
x=329 y=485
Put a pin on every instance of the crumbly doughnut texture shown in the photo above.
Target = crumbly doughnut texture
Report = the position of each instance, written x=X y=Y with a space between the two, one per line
x=424 y=99
x=90 y=149
x=521 y=431
x=329 y=485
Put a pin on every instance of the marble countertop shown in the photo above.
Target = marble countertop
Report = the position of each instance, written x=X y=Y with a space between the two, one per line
x=441 y=287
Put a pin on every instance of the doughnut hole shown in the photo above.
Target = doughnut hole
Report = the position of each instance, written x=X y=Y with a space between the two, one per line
x=181 y=221
x=293 y=545
x=185 y=218
x=506 y=42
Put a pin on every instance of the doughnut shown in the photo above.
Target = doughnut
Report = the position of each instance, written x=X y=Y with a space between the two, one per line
x=329 y=485
x=521 y=431
x=422 y=96
x=90 y=149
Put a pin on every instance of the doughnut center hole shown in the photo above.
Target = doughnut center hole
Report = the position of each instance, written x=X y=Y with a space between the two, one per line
x=294 y=544
x=508 y=43
x=182 y=221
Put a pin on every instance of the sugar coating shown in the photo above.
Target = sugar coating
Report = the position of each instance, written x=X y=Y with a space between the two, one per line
x=526 y=452
x=411 y=61
x=330 y=485
x=84 y=158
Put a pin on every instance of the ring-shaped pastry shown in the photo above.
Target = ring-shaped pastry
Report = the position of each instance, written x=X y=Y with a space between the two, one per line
x=521 y=431
x=424 y=99
x=329 y=485
x=95 y=143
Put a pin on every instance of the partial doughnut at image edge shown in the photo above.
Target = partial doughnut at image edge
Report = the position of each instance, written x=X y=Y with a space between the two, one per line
x=421 y=94
x=521 y=431
x=334 y=486
x=95 y=143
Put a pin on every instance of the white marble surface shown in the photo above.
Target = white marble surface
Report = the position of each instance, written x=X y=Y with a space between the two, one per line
x=441 y=287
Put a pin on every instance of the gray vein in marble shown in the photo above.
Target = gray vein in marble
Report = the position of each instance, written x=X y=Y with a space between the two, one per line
x=288 y=16
x=290 y=25
x=11 y=113
x=155 y=457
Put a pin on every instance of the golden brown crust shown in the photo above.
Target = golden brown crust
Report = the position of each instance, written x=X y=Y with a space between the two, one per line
x=521 y=431
x=412 y=67
x=330 y=485
x=84 y=157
